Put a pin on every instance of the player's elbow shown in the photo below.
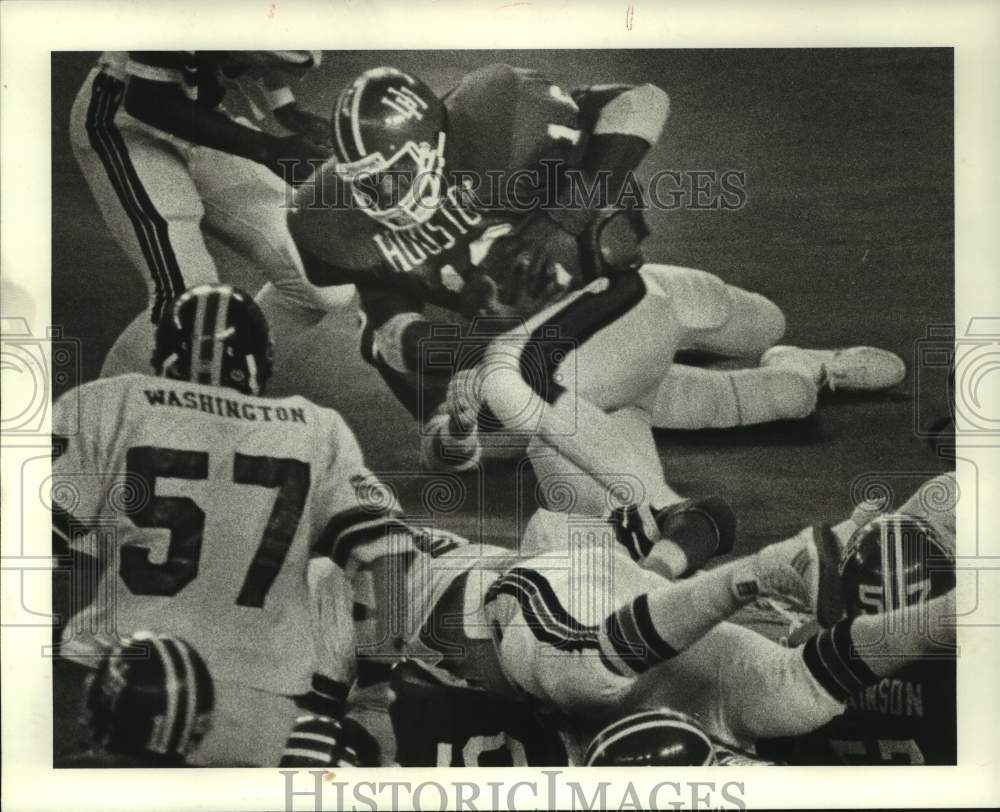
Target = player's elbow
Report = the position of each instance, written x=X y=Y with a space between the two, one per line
x=641 y=111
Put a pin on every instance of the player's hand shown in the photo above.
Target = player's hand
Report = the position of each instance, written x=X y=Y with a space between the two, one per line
x=536 y=264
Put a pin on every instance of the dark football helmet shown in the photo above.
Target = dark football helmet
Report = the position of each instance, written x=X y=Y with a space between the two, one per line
x=894 y=561
x=390 y=133
x=653 y=738
x=214 y=334
x=151 y=695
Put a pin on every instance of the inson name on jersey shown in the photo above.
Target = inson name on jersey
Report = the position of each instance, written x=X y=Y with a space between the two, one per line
x=223 y=406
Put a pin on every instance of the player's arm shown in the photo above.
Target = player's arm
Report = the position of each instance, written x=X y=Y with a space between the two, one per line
x=622 y=123
x=288 y=113
x=155 y=96
x=79 y=467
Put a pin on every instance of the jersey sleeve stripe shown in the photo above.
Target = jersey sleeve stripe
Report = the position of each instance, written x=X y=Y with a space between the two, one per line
x=345 y=521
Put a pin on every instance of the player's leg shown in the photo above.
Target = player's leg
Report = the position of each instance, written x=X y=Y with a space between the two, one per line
x=564 y=486
x=146 y=197
x=703 y=398
x=246 y=208
x=716 y=317
x=558 y=643
x=558 y=377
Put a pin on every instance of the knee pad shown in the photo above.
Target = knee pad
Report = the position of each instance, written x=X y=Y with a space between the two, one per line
x=701 y=300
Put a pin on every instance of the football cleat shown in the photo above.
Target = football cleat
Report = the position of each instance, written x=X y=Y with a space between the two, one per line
x=703 y=528
x=854 y=369
x=653 y=738
x=786 y=570
x=390 y=134
x=214 y=334
x=152 y=695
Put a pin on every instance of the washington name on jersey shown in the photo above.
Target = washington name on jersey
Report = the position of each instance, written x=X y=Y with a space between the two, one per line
x=207 y=509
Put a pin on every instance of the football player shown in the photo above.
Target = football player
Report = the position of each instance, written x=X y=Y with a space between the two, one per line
x=206 y=507
x=476 y=203
x=148 y=704
x=167 y=164
x=582 y=626
x=895 y=560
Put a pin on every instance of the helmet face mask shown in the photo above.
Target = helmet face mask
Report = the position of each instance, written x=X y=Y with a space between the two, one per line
x=390 y=134
x=217 y=335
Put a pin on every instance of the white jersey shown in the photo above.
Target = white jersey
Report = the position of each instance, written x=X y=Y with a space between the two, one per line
x=209 y=505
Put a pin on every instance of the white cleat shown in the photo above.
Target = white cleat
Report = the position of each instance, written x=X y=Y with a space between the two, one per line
x=854 y=369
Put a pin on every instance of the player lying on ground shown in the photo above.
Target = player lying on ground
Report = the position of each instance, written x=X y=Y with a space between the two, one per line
x=433 y=202
x=576 y=623
x=210 y=502
x=169 y=165
x=897 y=559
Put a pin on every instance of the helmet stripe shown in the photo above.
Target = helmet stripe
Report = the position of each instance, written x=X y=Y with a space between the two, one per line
x=160 y=741
x=338 y=117
x=205 y=322
x=184 y=689
x=193 y=691
x=356 y=118
x=219 y=335
x=652 y=725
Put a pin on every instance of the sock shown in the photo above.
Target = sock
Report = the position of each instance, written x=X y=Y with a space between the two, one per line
x=829 y=658
x=658 y=625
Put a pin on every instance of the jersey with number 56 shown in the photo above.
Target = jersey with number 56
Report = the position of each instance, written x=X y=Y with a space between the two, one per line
x=206 y=507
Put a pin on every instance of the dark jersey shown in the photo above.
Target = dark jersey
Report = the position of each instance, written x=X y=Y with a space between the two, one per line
x=198 y=74
x=500 y=120
x=909 y=718
x=202 y=75
x=438 y=725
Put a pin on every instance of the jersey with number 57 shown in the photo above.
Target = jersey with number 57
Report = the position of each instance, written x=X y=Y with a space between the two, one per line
x=205 y=508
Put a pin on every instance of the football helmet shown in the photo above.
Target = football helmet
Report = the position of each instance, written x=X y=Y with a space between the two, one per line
x=653 y=738
x=390 y=134
x=151 y=694
x=893 y=561
x=214 y=334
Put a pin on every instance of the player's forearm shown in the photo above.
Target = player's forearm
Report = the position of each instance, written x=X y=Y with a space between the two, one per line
x=163 y=106
x=624 y=130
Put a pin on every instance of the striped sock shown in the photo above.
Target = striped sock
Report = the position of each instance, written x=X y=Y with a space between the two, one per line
x=629 y=640
x=828 y=656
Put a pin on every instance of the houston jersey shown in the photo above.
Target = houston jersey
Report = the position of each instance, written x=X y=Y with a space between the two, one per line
x=206 y=507
x=501 y=119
